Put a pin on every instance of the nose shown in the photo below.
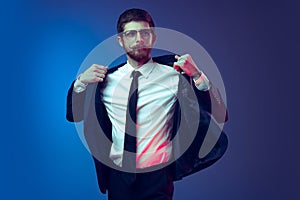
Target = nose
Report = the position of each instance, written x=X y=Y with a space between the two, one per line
x=139 y=39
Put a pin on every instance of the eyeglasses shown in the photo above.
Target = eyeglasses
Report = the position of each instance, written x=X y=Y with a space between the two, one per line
x=144 y=33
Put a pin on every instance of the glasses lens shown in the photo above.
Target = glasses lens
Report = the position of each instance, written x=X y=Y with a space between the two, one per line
x=145 y=33
x=130 y=34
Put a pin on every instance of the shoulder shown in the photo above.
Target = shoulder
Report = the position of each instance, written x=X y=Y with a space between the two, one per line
x=165 y=68
x=115 y=68
x=165 y=63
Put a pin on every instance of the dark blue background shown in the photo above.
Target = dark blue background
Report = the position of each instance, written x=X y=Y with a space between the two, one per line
x=254 y=43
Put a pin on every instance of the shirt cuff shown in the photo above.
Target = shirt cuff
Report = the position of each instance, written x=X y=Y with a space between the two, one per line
x=79 y=86
x=202 y=83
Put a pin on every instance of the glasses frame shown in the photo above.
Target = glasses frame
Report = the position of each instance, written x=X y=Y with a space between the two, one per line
x=132 y=34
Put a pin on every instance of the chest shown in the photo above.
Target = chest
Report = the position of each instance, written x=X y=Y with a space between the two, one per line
x=156 y=93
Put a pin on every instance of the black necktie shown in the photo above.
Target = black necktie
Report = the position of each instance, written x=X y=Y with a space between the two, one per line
x=129 y=155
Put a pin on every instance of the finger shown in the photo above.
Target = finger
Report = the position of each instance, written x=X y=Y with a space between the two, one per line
x=98 y=79
x=96 y=66
x=176 y=67
x=100 y=75
x=97 y=73
x=100 y=71
x=181 y=59
x=101 y=67
x=105 y=69
x=180 y=62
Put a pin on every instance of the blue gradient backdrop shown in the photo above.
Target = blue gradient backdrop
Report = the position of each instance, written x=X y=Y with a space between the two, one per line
x=254 y=43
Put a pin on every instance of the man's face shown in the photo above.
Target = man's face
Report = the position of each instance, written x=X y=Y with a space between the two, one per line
x=137 y=40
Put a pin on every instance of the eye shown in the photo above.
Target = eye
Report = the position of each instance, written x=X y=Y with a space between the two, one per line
x=130 y=34
x=145 y=33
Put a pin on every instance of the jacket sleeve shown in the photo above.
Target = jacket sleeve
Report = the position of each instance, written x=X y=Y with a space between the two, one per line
x=212 y=102
x=75 y=105
x=209 y=101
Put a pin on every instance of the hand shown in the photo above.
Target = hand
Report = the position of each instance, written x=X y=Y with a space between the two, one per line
x=95 y=73
x=187 y=64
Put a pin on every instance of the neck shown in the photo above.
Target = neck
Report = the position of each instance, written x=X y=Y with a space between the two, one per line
x=136 y=64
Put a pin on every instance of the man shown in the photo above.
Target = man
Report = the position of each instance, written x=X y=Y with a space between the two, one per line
x=149 y=112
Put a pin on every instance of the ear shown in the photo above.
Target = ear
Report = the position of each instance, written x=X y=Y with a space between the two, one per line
x=120 y=40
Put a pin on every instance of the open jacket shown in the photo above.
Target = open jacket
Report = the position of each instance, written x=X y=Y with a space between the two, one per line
x=193 y=121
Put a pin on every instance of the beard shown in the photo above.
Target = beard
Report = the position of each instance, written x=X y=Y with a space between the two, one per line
x=139 y=54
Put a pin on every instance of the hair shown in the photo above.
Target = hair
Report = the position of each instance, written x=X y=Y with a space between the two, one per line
x=133 y=14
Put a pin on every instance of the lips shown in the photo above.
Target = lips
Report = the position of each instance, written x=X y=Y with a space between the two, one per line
x=140 y=47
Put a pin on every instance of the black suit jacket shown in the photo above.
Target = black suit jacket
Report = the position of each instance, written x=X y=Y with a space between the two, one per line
x=193 y=109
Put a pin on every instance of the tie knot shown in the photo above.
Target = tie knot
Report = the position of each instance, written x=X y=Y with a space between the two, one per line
x=135 y=74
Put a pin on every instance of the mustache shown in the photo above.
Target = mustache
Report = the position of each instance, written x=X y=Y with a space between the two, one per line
x=140 y=47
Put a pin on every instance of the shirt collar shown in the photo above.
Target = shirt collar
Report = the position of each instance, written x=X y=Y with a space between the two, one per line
x=145 y=69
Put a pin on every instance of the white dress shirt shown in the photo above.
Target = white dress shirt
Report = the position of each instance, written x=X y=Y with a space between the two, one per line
x=157 y=90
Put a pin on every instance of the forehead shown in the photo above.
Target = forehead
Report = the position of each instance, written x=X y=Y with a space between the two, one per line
x=136 y=25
